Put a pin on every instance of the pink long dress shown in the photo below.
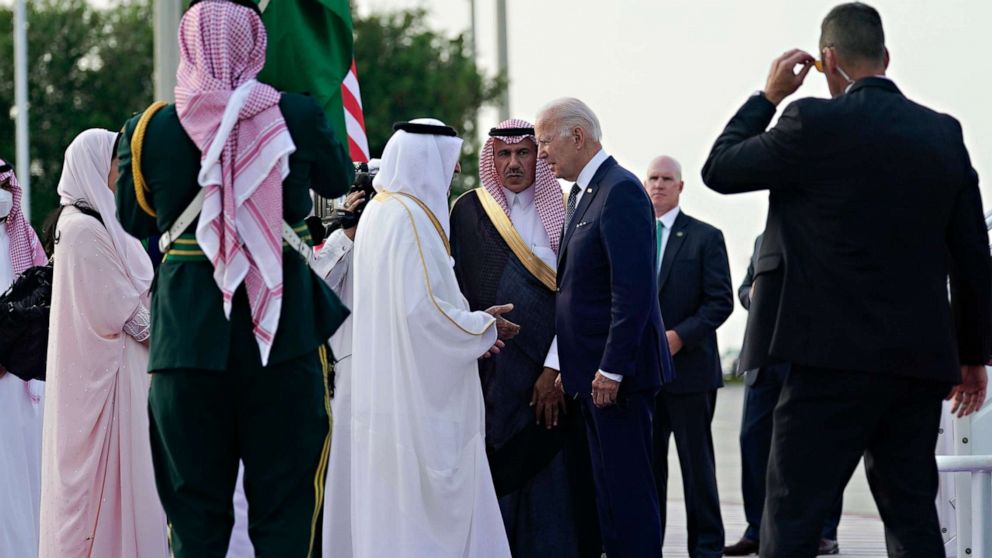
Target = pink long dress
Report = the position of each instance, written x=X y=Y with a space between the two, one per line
x=98 y=494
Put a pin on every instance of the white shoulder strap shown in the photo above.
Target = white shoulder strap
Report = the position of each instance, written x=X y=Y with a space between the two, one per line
x=182 y=223
x=189 y=214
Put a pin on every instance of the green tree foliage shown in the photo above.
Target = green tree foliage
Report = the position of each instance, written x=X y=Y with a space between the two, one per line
x=406 y=71
x=91 y=67
x=88 y=68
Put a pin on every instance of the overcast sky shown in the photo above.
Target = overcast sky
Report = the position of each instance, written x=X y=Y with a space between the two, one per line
x=664 y=76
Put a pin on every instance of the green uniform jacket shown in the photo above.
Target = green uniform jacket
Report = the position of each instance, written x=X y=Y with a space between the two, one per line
x=188 y=326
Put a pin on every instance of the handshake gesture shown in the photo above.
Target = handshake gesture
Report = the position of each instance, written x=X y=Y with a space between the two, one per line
x=505 y=329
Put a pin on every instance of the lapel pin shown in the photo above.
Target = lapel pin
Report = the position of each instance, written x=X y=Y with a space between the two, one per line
x=680 y=234
x=589 y=191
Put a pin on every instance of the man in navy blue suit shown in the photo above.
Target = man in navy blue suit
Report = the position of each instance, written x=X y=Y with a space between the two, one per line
x=696 y=297
x=611 y=344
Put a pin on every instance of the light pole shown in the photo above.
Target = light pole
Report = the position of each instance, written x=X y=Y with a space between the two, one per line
x=166 y=22
x=503 y=57
x=23 y=157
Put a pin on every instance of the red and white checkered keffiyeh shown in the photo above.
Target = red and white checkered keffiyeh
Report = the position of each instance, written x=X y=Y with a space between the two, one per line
x=244 y=158
x=25 y=249
x=547 y=192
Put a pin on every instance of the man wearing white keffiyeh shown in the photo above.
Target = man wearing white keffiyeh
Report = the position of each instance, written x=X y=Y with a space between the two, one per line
x=238 y=319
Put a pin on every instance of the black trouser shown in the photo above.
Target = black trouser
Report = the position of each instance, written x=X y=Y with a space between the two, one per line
x=824 y=422
x=274 y=419
x=760 y=398
x=688 y=416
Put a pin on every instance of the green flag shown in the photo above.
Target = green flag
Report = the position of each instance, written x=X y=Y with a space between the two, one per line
x=310 y=51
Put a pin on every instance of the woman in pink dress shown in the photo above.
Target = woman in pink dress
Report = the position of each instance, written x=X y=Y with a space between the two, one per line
x=98 y=493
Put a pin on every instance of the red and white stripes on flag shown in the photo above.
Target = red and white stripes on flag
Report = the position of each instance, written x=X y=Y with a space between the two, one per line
x=354 y=119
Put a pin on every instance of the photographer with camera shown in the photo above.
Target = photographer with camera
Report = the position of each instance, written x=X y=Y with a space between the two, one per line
x=333 y=264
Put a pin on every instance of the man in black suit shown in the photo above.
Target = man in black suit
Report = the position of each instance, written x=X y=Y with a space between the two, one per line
x=873 y=204
x=610 y=344
x=762 y=387
x=696 y=297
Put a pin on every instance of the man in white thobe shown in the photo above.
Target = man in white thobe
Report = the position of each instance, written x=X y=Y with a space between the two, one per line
x=420 y=484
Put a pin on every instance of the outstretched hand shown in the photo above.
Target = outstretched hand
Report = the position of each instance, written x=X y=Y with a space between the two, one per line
x=505 y=329
x=783 y=79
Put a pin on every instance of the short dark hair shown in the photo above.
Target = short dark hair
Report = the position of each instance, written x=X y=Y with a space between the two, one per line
x=855 y=30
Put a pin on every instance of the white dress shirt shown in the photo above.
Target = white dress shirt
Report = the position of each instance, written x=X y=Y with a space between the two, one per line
x=524 y=216
x=589 y=171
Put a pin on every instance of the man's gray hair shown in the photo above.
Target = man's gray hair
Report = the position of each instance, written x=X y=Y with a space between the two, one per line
x=569 y=113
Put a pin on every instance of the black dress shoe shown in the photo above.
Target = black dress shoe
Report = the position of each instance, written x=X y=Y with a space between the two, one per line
x=827 y=546
x=743 y=547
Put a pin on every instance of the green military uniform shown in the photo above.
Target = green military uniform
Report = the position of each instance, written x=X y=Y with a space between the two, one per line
x=211 y=401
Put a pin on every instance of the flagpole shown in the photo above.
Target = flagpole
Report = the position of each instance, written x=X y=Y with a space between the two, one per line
x=472 y=44
x=502 y=57
x=166 y=22
x=23 y=161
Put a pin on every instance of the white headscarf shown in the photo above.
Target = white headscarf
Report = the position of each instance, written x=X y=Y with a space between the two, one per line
x=84 y=181
x=422 y=166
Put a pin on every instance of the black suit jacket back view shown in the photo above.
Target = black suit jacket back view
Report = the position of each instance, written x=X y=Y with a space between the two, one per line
x=873 y=204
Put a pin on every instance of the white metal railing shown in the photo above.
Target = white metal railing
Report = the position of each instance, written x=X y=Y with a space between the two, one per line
x=974 y=522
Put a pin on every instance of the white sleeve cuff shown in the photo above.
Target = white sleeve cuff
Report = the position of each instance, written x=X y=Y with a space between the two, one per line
x=614 y=377
x=333 y=260
x=552 y=359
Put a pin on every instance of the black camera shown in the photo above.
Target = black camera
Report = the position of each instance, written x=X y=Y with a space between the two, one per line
x=363 y=183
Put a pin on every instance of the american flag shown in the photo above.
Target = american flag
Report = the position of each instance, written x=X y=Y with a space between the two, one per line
x=354 y=119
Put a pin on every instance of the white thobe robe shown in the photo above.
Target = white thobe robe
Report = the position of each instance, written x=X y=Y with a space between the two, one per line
x=421 y=484
x=21 y=405
x=334 y=265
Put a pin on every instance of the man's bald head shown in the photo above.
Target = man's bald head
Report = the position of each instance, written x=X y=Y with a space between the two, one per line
x=664 y=184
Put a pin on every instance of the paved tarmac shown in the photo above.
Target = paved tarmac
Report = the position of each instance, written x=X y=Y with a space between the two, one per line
x=860 y=535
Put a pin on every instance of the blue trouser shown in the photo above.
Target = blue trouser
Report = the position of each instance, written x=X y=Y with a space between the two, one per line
x=620 y=452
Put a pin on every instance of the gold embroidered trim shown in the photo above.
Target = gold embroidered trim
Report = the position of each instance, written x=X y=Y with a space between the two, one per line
x=137 y=140
x=430 y=215
x=535 y=265
x=385 y=196
x=325 y=453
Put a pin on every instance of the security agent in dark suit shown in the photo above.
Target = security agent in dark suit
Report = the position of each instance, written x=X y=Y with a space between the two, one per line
x=696 y=297
x=873 y=204
x=610 y=344
x=762 y=387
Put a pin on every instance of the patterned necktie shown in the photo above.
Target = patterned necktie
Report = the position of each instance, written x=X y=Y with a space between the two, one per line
x=570 y=207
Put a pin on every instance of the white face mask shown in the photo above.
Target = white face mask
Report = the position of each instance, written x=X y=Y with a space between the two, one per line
x=6 y=203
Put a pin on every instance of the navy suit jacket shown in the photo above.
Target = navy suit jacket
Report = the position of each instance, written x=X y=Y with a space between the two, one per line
x=607 y=314
x=696 y=297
